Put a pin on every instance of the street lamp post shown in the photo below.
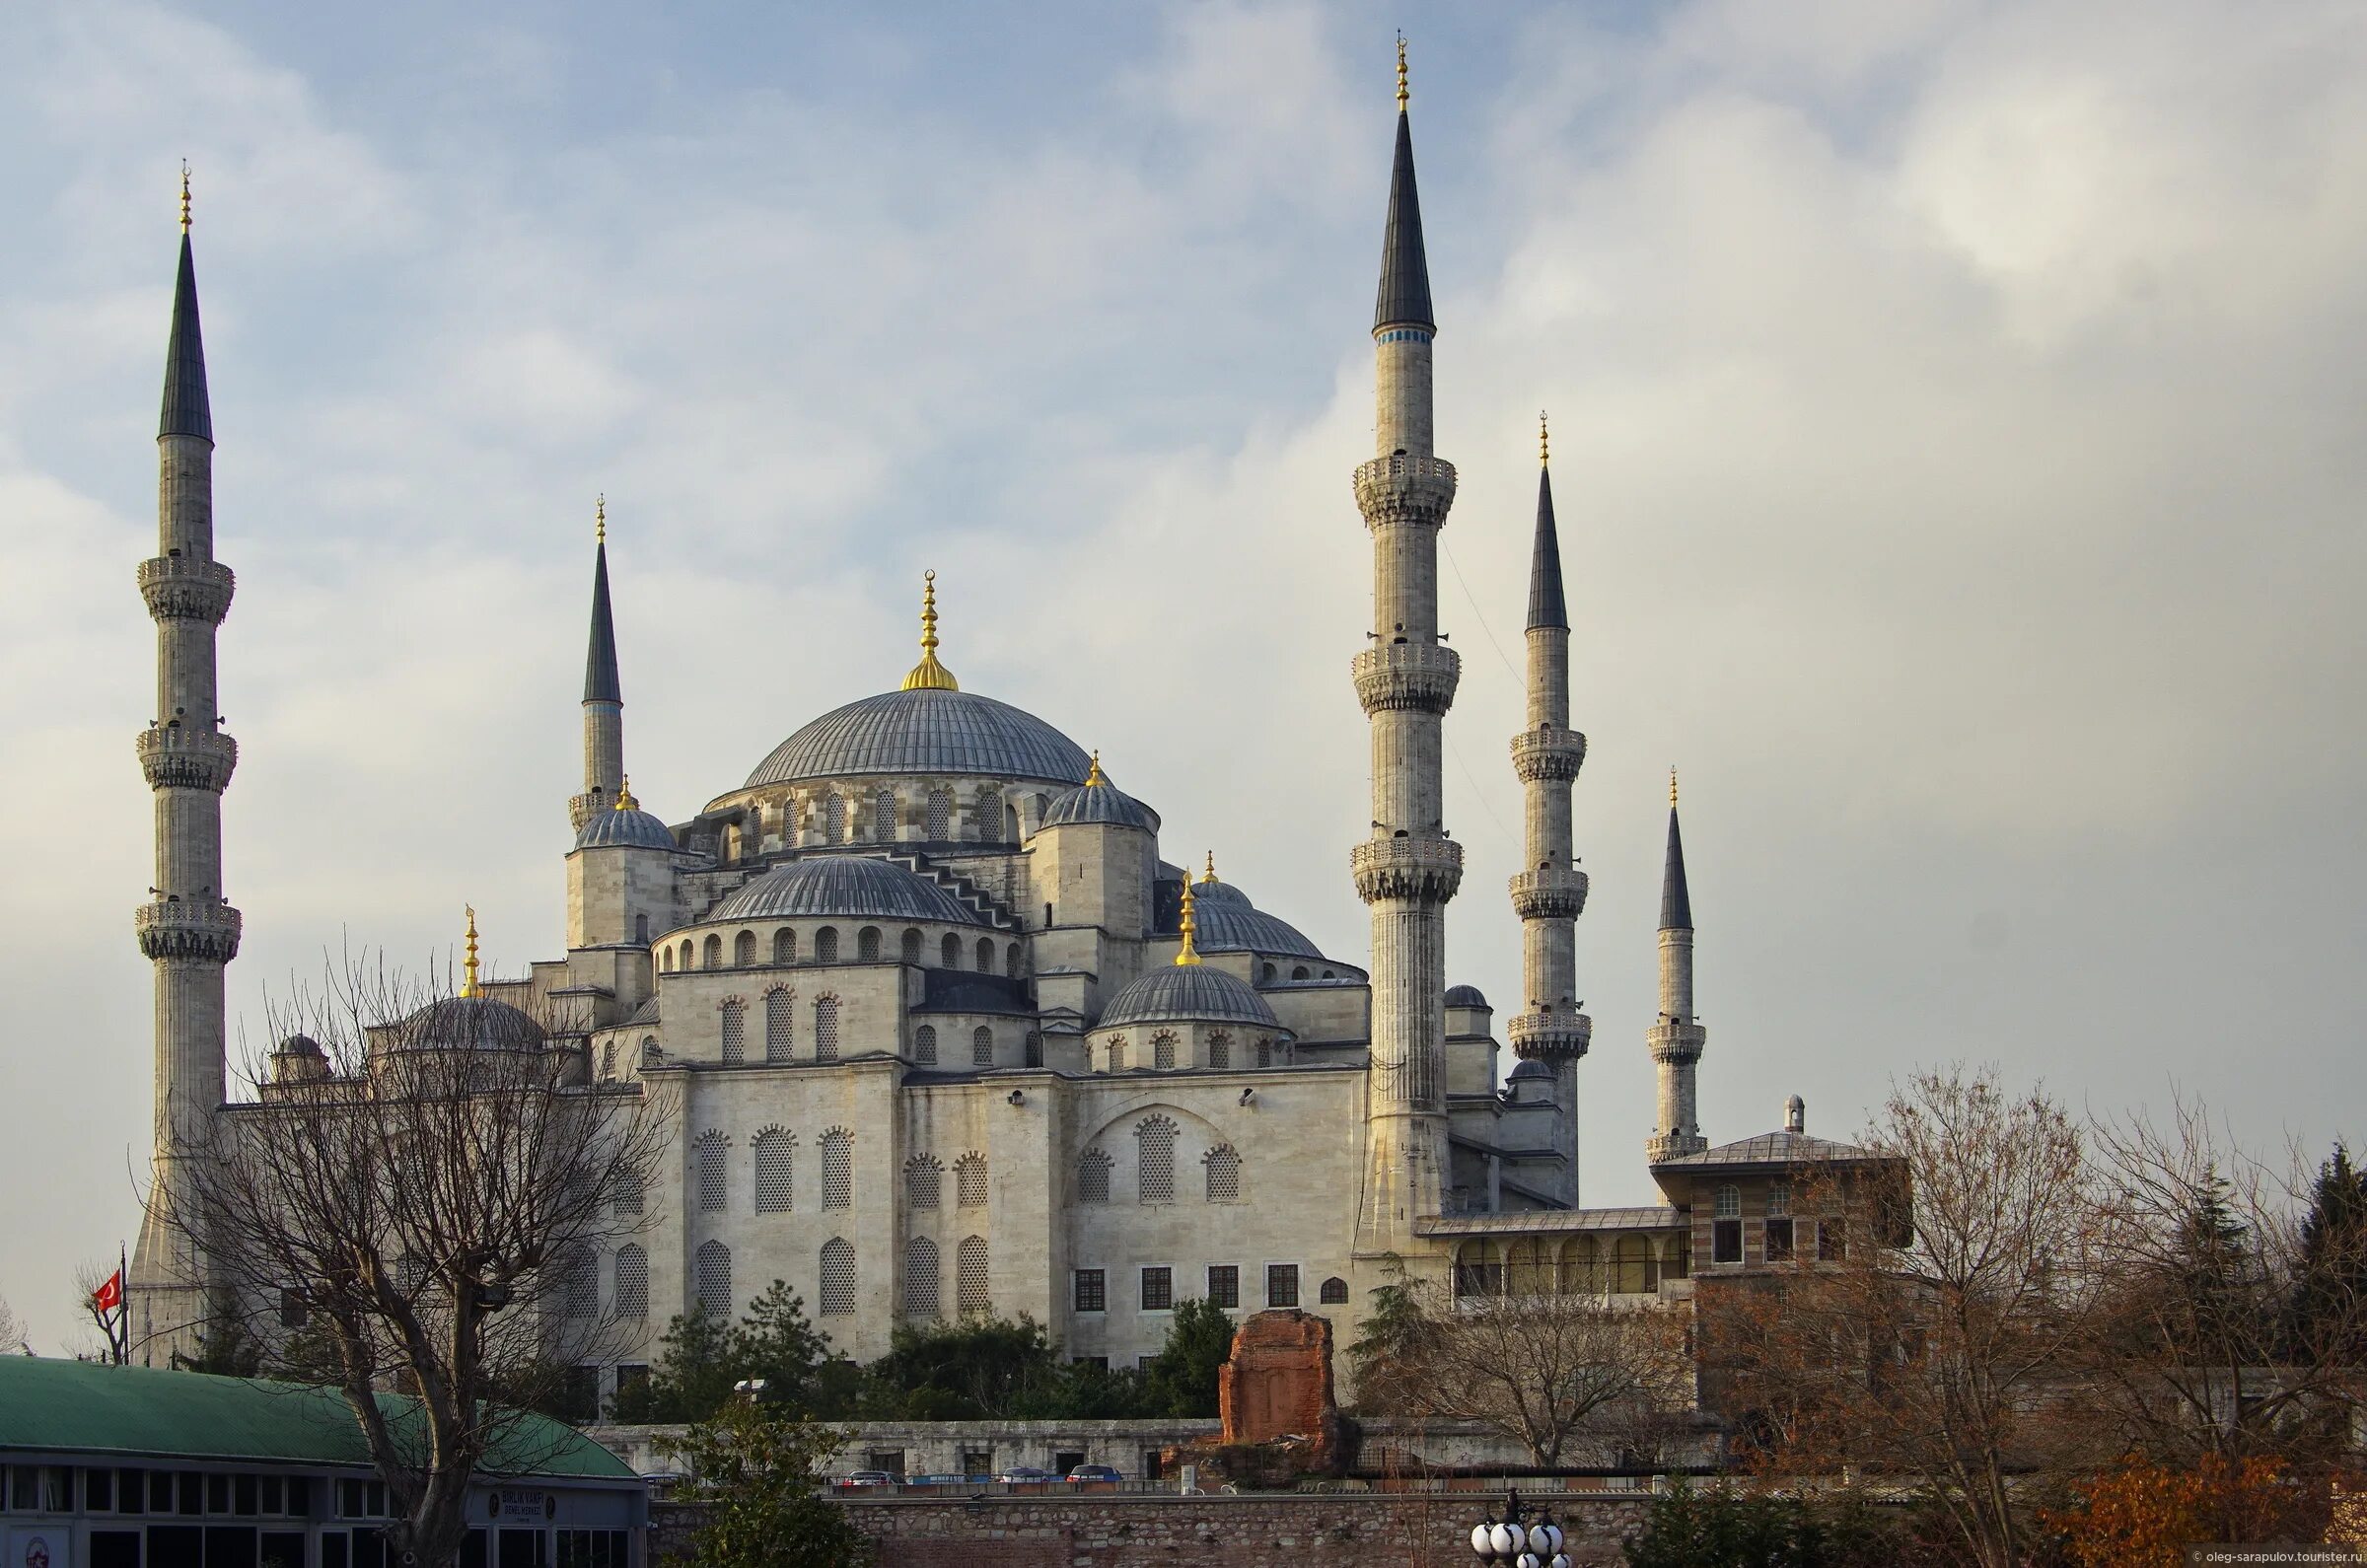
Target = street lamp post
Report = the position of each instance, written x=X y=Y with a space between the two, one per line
x=1525 y=1537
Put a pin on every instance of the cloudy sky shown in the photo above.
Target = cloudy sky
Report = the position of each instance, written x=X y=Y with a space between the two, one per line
x=1956 y=416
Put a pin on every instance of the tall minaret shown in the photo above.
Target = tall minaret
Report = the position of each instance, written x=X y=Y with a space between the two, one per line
x=1409 y=868
x=1677 y=1038
x=186 y=930
x=604 y=697
x=1550 y=891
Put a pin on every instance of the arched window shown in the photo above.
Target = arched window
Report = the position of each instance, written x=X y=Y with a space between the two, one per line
x=969 y=1180
x=1779 y=1198
x=949 y=951
x=608 y=1060
x=579 y=1282
x=626 y=1194
x=1532 y=1269
x=712 y=1153
x=641 y=929
x=784 y=946
x=833 y=818
x=1093 y=1176
x=781 y=1013
x=1265 y=975
x=940 y=815
x=734 y=1032
x=1478 y=1270
x=925 y=1182
x=982 y=1047
x=649 y=1044
x=883 y=815
x=826 y=1028
x=837 y=1277
x=1117 y=1053
x=825 y=945
x=714 y=953
x=715 y=1279
x=1582 y=1267
x=866 y=945
x=912 y=947
x=986 y=955
x=1729 y=1202
x=1163 y=1049
x=1298 y=971
x=743 y=950
x=1223 y=1163
x=923 y=1274
x=985 y=818
x=969 y=1275
x=1676 y=1262
x=837 y=1168
x=1220 y=1050
x=1266 y=1051
x=632 y=1282
x=1334 y=1292
x=1155 y=1160
x=666 y=959
x=1011 y=963
x=687 y=952
x=777 y=1153
x=1035 y=1049
x=1633 y=1269
x=925 y=1045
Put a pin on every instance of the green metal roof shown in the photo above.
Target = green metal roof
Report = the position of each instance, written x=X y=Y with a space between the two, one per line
x=84 y=1408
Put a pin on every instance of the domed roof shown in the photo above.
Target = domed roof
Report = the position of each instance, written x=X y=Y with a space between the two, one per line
x=927 y=729
x=473 y=1023
x=851 y=886
x=300 y=1045
x=1231 y=925
x=1465 y=996
x=1205 y=892
x=625 y=828
x=1105 y=804
x=1188 y=993
x=1530 y=1067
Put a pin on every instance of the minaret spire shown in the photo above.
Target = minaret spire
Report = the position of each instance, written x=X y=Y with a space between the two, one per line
x=1677 y=1038
x=1550 y=891
x=604 y=694
x=187 y=930
x=1409 y=868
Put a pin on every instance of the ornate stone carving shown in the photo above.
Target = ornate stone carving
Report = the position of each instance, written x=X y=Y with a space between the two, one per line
x=1676 y=1042
x=177 y=588
x=1546 y=753
x=1405 y=491
x=1410 y=676
x=179 y=757
x=1549 y=894
x=1546 y=1034
x=182 y=929
x=1421 y=870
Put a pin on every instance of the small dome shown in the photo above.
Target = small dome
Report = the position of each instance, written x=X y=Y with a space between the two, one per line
x=847 y=886
x=625 y=828
x=1231 y=925
x=1102 y=804
x=1465 y=996
x=1205 y=894
x=473 y=1023
x=1531 y=1068
x=1188 y=993
x=299 y=1045
x=928 y=729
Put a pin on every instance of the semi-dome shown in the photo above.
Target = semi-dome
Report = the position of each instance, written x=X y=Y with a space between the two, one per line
x=1465 y=996
x=844 y=887
x=625 y=828
x=926 y=729
x=473 y=1023
x=1188 y=993
x=1099 y=804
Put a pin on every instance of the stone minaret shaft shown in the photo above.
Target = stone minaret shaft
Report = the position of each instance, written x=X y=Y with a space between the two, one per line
x=1409 y=868
x=1550 y=891
x=1677 y=1038
x=186 y=929
x=604 y=697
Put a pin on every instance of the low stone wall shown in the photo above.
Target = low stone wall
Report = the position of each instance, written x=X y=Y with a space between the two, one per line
x=1214 y=1530
x=935 y=1448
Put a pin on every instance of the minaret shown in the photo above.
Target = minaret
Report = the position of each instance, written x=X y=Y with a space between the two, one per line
x=603 y=696
x=1409 y=868
x=186 y=930
x=1677 y=1038
x=1550 y=891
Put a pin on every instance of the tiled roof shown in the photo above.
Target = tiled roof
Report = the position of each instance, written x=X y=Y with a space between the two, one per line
x=1771 y=1148
x=1543 y=1222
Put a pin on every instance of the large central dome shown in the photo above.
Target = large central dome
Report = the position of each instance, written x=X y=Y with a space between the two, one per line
x=926 y=731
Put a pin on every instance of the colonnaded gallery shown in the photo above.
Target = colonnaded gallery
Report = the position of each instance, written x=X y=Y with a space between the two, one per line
x=938 y=1028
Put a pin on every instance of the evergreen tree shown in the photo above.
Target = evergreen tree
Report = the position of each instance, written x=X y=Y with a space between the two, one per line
x=758 y=1469
x=1182 y=1378
x=701 y=1360
x=2328 y=1312
x=692 y=1376
x=974 y=1369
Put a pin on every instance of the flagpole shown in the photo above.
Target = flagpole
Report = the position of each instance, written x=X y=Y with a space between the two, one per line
x=123 y=1305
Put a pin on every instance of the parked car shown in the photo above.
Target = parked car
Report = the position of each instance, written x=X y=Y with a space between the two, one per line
x=1025 y=1475
x=1094 y=1473
x=867 y=1478
x=948 y=1480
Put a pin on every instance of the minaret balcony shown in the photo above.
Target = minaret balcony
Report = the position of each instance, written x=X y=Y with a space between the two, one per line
x=1401 y=490
x=1548 y=753
x=1676 y=1043
x=1552 y=895
x=180 y=756
x=183 y=928
x=184 y=588
x=1415 y=870
x=1545 y=1034
x=1420 y=676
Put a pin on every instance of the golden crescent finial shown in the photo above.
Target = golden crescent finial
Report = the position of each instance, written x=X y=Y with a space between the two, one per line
x=184 y=195
x=1544 y=444
x=1211 y=876
x=1672 y=783
x=1094 y=778
x=469 y=965
x=600 y=517
x=1186 y=956
x=929 y=675
x=625 y=796
x=1403 y=94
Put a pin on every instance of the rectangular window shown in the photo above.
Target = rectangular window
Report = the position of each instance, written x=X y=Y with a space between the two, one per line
x=1780 y=1241
x=275 y=1494
x=132 y=1492
x=217 y=1494
x=1832 y=1240
x=977 y=1464
x=1091 y=1291
x=1158 y=1288
x=1725 y=1240
x=192 y=1492
x=1223 y=1284
x=243 y=1493
x=1281 y=1284
x=99 y=1491
x=117 y=1548
x=631 y=1375
x=332 y=1548
x=283 y=1548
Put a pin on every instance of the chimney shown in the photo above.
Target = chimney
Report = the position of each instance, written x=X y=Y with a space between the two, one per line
x=1795 y=1115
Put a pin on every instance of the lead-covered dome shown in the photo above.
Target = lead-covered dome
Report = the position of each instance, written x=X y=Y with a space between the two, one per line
x=1099 y=804
x=625 y=828
x=846 y=887
x=1466 y=996
x=1188 y=993
x=927 y=729
x=472 y=1023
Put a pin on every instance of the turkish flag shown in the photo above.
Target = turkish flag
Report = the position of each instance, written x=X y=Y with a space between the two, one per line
x=109 y=1296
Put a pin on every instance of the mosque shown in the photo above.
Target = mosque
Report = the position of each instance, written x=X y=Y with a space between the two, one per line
x=939 y=1026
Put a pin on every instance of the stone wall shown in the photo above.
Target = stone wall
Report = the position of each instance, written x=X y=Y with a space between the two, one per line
x=1430 y=1531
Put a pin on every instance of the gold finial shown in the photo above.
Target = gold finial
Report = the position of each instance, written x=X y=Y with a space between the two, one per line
x=1403 y=94
x=1672 y=783
x=1094 y=778
x=625 y=796
x=469 y=965
x=184 y=195
x=600 y=517
x=1186 y=956
x=929 y=675
x=1211 y=876
x=1545 y=447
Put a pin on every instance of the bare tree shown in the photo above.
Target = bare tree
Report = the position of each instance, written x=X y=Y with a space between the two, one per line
x=417 y=1196
x=12 y=1331
x=89 y=1279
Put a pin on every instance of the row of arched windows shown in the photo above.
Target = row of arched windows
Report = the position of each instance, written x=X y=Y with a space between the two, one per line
x=1155 y=1167
x=981 y=1047
x=576 y=1278
x=925 y=1182
x=1630 y=1265
x=877 y=816
x=1167 y=1053
x=774 y=1189
x=986 y=956
x=711 y=1278
x=780 y=1027
x=924 y=1277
